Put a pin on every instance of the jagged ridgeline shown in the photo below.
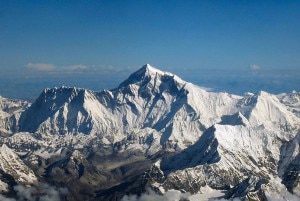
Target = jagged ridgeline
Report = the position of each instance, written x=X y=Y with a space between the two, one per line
x=154 y=131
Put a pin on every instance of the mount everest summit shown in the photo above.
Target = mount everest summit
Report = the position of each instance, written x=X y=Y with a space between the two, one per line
x=154 y=132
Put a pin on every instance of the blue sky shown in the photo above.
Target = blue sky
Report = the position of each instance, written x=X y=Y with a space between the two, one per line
x=97 y=44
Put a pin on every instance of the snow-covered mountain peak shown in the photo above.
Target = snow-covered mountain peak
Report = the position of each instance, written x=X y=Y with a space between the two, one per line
x=101 y=141
x=270 y=112
x=150 y=98
x=148 y=74
x=150 y=70
x=61 y=95
x=64 y=108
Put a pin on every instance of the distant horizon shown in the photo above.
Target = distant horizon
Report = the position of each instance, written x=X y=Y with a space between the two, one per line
x=224 y=45
x=217 y=80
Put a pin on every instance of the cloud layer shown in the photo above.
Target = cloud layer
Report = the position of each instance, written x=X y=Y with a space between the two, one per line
x=172 y=195
x=42 y=192
x=41 y=67
x=45 y=67
x=151 y=195
x=255 y=67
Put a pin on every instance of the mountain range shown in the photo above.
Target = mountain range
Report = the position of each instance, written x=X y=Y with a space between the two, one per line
x=153 y=134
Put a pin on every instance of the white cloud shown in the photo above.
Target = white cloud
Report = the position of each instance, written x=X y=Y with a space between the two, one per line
x=2 y=198
x=41 y=67
x=44 y=67
x=41 y=192
x=172 y=195
x=79 y=67
x=24 y=193
x=53 y=68
x=151 y=195
x=255 y=67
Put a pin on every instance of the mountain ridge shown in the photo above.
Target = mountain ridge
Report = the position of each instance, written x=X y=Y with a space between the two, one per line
x=176 y=136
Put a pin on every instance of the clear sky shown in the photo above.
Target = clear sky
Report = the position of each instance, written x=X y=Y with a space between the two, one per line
x=52 y=42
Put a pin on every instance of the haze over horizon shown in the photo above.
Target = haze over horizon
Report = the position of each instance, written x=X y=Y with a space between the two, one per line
x=233 y=46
